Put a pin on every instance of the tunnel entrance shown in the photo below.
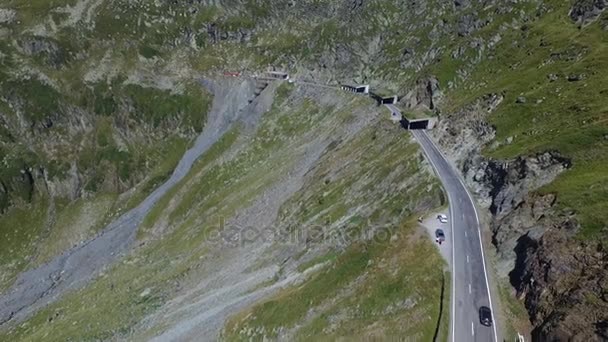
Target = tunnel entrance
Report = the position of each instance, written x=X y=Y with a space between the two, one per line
x=363 y=89
x=389 y=100
x=415 y=124
x=419 y=124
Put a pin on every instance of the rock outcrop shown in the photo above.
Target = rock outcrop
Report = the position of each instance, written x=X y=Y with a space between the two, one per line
x=561 y=279
x=564 y=284
x=584 y=12
x=7 y=16
x=44 y=48
x=424 y=96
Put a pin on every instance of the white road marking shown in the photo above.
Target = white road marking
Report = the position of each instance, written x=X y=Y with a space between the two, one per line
x=467 y=259
x=469 y=288
x=472 y=329
x=429 y=159
x=453 y=274
x=483 y=258
x=465 y=233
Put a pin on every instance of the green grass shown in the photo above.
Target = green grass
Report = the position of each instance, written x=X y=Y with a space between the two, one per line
x=290 y=308
x=20 y=228
x=148 y=51
x=329 y=257
x=237 y=22
x=413 y=115
x=114 y=304
x=162 y=262
x=33 y=11
x=326 y=201
x=165 y=157
x=444 y=327
x=152 y=106
x=40 y=100
x=514 y=312
x=233 y=184
x=207 y=158
x=278 y=127
x=75 y=221
x=372 y=303
x=564 y=116
x=155 y=106
x=112 y=25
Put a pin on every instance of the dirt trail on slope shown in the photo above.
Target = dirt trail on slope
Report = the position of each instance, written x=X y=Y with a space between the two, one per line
x=74 y=268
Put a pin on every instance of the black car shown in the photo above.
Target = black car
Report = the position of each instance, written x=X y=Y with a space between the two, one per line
x=485 y=316
x=439 y=236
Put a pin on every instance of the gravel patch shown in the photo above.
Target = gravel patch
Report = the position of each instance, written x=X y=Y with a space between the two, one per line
x=74 y=268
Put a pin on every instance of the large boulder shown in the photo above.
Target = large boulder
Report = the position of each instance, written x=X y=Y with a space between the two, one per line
x=7 y=16
x=425 y=94
x=584 y=12
x=45 y=48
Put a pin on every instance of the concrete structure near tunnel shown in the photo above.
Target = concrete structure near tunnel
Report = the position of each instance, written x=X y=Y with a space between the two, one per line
x=361 y=89
x=384 y=100
x=426 y=123
x=389 y=100
x=410 y=124
x=279 y=75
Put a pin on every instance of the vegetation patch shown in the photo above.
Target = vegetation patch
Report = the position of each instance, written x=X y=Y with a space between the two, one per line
x=564 y=109
x=40 y=101
x=20 y=228
x=375 y=289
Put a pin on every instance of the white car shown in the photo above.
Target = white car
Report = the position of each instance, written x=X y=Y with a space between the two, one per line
x=442 y=218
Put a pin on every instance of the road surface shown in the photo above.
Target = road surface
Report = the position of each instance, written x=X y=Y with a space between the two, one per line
x=470 y=287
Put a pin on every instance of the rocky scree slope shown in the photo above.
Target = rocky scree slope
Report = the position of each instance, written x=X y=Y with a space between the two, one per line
x=303 y=166
x=76 y=266
x=86 y=132
x=517 y=85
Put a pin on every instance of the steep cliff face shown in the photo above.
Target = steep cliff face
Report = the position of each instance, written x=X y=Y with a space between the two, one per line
x=72 y=151
x=527 y=142
x=561 y=279
x=563 y=283
x=99 y=99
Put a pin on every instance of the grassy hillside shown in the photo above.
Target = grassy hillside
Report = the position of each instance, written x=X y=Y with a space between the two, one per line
x=379 y=289
x=169 y=263
x=558 y=68
x=99 y=99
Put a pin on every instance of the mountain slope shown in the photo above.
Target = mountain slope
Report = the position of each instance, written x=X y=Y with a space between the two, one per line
x=100 y=99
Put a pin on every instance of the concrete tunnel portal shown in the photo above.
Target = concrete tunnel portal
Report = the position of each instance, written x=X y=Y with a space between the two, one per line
x=362 y=89
x=389 y=100
x=426 y=123
x=418 y=124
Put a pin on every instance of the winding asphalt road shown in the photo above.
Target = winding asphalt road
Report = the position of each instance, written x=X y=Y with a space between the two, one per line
x=470 y=287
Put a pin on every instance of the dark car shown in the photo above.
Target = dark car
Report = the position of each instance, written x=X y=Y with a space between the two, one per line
x=439 y=236
x=485 y=316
